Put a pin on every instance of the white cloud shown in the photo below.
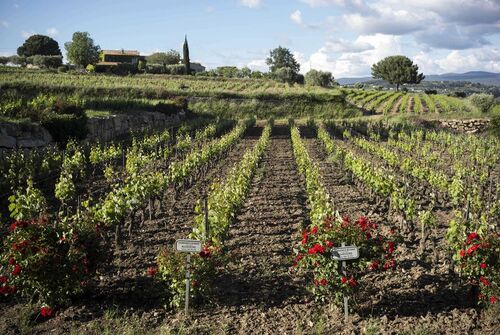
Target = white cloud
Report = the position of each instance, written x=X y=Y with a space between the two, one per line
x=296 y=17
x=4 y=24
x=27 y=34
x=342 y=45
x=258 y=64
x=251 y=3
x=52 y=31
x=354 y=62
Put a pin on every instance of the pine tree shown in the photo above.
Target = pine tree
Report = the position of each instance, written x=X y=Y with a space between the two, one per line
x=185 y=54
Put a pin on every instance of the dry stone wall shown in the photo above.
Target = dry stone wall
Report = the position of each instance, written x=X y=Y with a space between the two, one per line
x=470 y=126
x=13 y=135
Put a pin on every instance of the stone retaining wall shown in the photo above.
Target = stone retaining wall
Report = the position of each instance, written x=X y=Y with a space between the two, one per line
x=13 y=135
x=470 y=126
x=109 y=127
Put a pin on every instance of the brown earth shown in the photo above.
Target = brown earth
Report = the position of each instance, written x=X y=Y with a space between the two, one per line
x=257 y=293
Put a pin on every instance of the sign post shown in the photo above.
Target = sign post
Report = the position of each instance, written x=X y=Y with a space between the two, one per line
x=345 y=253
x=189 y=247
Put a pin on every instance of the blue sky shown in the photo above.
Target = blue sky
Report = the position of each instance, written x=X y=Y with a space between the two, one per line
x=341 y=36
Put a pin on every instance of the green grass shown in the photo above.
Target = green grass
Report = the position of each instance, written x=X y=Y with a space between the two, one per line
x=95 y=113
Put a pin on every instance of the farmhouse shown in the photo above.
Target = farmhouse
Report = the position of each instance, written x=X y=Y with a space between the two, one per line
x=115 y=57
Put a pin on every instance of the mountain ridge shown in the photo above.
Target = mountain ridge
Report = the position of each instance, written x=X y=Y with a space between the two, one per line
x=482 y=77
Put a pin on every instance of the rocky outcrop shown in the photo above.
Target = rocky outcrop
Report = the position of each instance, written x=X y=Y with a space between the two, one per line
x=470 y=126
x=109 y=127
x=22 y=135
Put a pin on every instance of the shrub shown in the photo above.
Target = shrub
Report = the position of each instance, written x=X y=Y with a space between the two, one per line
x=478 y=260
x=325 y=278
x=175 y=69
x=62 y=68
x=45 y=61
x=171 y=269
x=430 y=91
x=166 y=108
x=48 y=263
x=483 y=102
x=90 y=68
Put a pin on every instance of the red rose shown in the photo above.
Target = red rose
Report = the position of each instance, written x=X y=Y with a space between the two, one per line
x=483 y=265
x=318 y=248
x=493 y=300
x=152 y=271
x=17 y=270
x=462 y=253
x=314 y=230
x=473 y=248
x=12 y=261
x=329 y=244
x=46 y=312
x=374 y=265
x=344 y=280
x=471 y=237
x=205 y=253
x=352 y=282
x=304 y=238
x=322 y=282
x=484 y=281
x=3 y=279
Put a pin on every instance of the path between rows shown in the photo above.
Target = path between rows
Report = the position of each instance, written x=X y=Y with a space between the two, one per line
x=258 y=294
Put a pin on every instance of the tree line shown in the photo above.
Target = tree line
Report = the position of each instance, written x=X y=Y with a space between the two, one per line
x=43 y=51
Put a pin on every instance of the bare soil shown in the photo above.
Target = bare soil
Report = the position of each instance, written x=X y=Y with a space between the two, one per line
x=258 y=293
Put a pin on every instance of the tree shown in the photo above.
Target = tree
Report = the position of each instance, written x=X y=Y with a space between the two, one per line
x=4 y=60
x=81 y=51
x=285 y=75
x=397 y=70
x=39 y=45
x=483 y=102
x=319 y=78
x=185 y=56
x=282 y=57
x=171 y=57
x=45 y=61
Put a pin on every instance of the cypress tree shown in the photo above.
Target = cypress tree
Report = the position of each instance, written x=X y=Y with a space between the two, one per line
x=185 y=55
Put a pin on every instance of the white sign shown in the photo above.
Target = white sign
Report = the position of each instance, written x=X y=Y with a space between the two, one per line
x=185 y=245
x=345 y=253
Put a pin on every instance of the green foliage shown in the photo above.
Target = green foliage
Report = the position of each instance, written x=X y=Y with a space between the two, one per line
x=18 y=60
x=319 y=78
x=483 y=102
x=185 y=56
x=282 y=58
x=39 y=45
x=81 y=51
x=170 y=57
x=90 y=68
x=397 y=70
x=48 y=263
x=4 y=60
x=28 y=203
x=45 y=61
x=285 y=75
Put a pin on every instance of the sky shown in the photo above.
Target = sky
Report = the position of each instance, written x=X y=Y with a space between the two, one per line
x=344 y=37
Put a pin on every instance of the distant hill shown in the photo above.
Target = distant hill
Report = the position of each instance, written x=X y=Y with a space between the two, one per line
x=482 y=77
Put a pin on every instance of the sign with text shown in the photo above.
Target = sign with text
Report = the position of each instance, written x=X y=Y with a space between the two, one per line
x=345 y=253
x=185 y=245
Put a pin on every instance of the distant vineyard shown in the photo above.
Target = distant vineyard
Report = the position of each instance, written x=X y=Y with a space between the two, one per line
x=389 y=102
